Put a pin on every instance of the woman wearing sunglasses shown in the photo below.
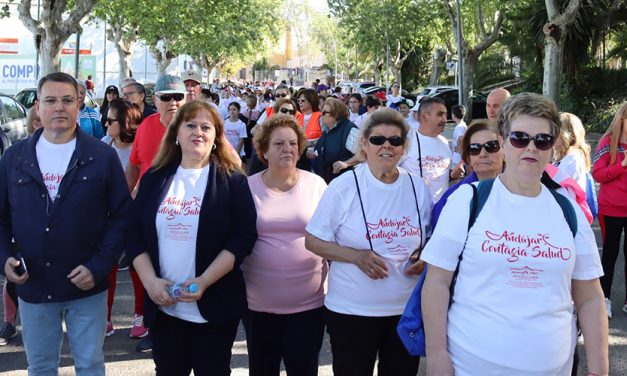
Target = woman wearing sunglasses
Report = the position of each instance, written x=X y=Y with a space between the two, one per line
x=284 y=282
x=521 y=268
x=482 y=153
x=610 y=170
x=370 y=223
x=338 y=144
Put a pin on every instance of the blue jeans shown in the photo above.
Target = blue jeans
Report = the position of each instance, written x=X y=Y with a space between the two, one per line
x=42 y=331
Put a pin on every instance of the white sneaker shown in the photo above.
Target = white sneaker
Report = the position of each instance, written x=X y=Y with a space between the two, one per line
x=608 y=308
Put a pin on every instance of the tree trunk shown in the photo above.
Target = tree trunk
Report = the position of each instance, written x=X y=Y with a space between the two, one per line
x=49 y=51
x=470 y=62
x=396 y=71
x=553 y=56
x=162 y=59
x=435 y=68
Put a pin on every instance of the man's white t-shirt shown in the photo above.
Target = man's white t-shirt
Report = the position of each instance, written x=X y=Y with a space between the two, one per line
x=434 y=156
x=458 y=133
x=177 y=230
x=234 y=132
x=53 y=160
x=515 y=276
x=395 y=230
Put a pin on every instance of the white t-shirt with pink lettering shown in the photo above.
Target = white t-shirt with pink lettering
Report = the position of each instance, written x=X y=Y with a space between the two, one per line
x=395 y=231
x=53 y=160
x=282 y=276
x=435 y=157
x=177 y=229
x=234 y=132
x=515 y=276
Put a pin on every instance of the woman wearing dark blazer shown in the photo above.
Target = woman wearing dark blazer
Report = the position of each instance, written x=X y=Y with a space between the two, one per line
x=195 y=222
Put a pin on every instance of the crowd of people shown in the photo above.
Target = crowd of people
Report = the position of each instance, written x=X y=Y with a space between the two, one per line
x=292 y=210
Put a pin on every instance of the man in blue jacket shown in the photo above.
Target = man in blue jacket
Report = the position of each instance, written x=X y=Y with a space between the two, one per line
x=64 y=206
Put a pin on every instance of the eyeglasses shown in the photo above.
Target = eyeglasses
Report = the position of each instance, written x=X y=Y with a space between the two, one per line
x=280 y=95
x=65 y=101
x=325 y=112
x=126 y=95
x=490 y=146
x=111 y=121
x=380 y=140
x=168 y=97
x=543 y=141
x=287 y=111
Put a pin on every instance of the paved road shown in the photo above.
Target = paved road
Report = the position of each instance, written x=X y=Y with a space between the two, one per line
x=122 y=360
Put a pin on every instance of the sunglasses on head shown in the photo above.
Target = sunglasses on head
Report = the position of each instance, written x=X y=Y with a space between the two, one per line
x=287 y=111
x=380 y=140
x=490 y=146
x=542 y=141
x=168 y=97
x=280 y=95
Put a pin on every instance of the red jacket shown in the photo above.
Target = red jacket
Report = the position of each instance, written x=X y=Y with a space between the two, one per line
x=612 y=178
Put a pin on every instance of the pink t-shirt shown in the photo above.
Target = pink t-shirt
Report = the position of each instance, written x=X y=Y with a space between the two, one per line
x=283 y=277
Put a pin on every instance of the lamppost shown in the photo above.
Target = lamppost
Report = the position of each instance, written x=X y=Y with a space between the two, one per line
x=335 y=70
x=460 y=61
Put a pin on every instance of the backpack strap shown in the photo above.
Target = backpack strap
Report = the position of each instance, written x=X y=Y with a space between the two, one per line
x=567 y=210
x=479 y=198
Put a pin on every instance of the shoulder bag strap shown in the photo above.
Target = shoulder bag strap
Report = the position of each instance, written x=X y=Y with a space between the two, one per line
x=422 y=234
x=419 y=153
x=363 y=212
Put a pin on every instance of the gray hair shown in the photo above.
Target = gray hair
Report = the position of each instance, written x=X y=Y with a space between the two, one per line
x=532 y=105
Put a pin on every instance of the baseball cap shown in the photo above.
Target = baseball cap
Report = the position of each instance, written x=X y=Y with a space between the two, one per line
x=112 y=89
x=168 y=84
x=192 y=75
x=416 y=108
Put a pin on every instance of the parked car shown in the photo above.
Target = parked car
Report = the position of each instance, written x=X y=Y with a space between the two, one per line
x=27 y=98
x=12 y=122
x=431 y=90
x=379 y=91
x=451 y=98
x=346 y=86
x=360 y=86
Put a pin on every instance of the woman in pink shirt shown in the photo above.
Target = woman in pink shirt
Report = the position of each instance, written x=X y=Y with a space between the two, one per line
x=285 y=283
x=610 y=171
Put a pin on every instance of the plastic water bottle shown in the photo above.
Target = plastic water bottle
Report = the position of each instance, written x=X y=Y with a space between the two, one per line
x=176 y=289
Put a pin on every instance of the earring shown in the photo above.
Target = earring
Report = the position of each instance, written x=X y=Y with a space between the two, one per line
x=214 y=147
x=176 y=142
x=265 y=156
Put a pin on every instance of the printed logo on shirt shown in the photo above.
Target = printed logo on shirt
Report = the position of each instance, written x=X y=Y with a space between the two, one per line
x=52 y=182
x=179 y=232
x=173 y=207
x=435 y=165
x=389 y=229
x=519 y=246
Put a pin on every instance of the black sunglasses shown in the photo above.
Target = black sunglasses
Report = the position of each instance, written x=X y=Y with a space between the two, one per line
x=490 y=146
x=380 y=140
x=280 y=95
x=286 y=111
x=543 y=141
x=168 y=97
x=111 y=121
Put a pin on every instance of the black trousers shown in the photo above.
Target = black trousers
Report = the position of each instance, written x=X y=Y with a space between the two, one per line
x=178 y=346
x=357 y=340
x=295 y=338
x=612 y=229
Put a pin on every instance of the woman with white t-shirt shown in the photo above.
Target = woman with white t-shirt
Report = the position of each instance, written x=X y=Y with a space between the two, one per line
x=194 y=223
x=235 y=129
x=370 y=223
x=521 y=268
x=285 y=283
x=572 y=152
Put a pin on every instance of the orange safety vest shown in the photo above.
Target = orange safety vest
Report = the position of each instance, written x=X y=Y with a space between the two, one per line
x=312 y=131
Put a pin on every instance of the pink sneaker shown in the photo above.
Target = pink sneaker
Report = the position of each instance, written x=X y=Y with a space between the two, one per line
x=110 y=331
x=138 y=330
